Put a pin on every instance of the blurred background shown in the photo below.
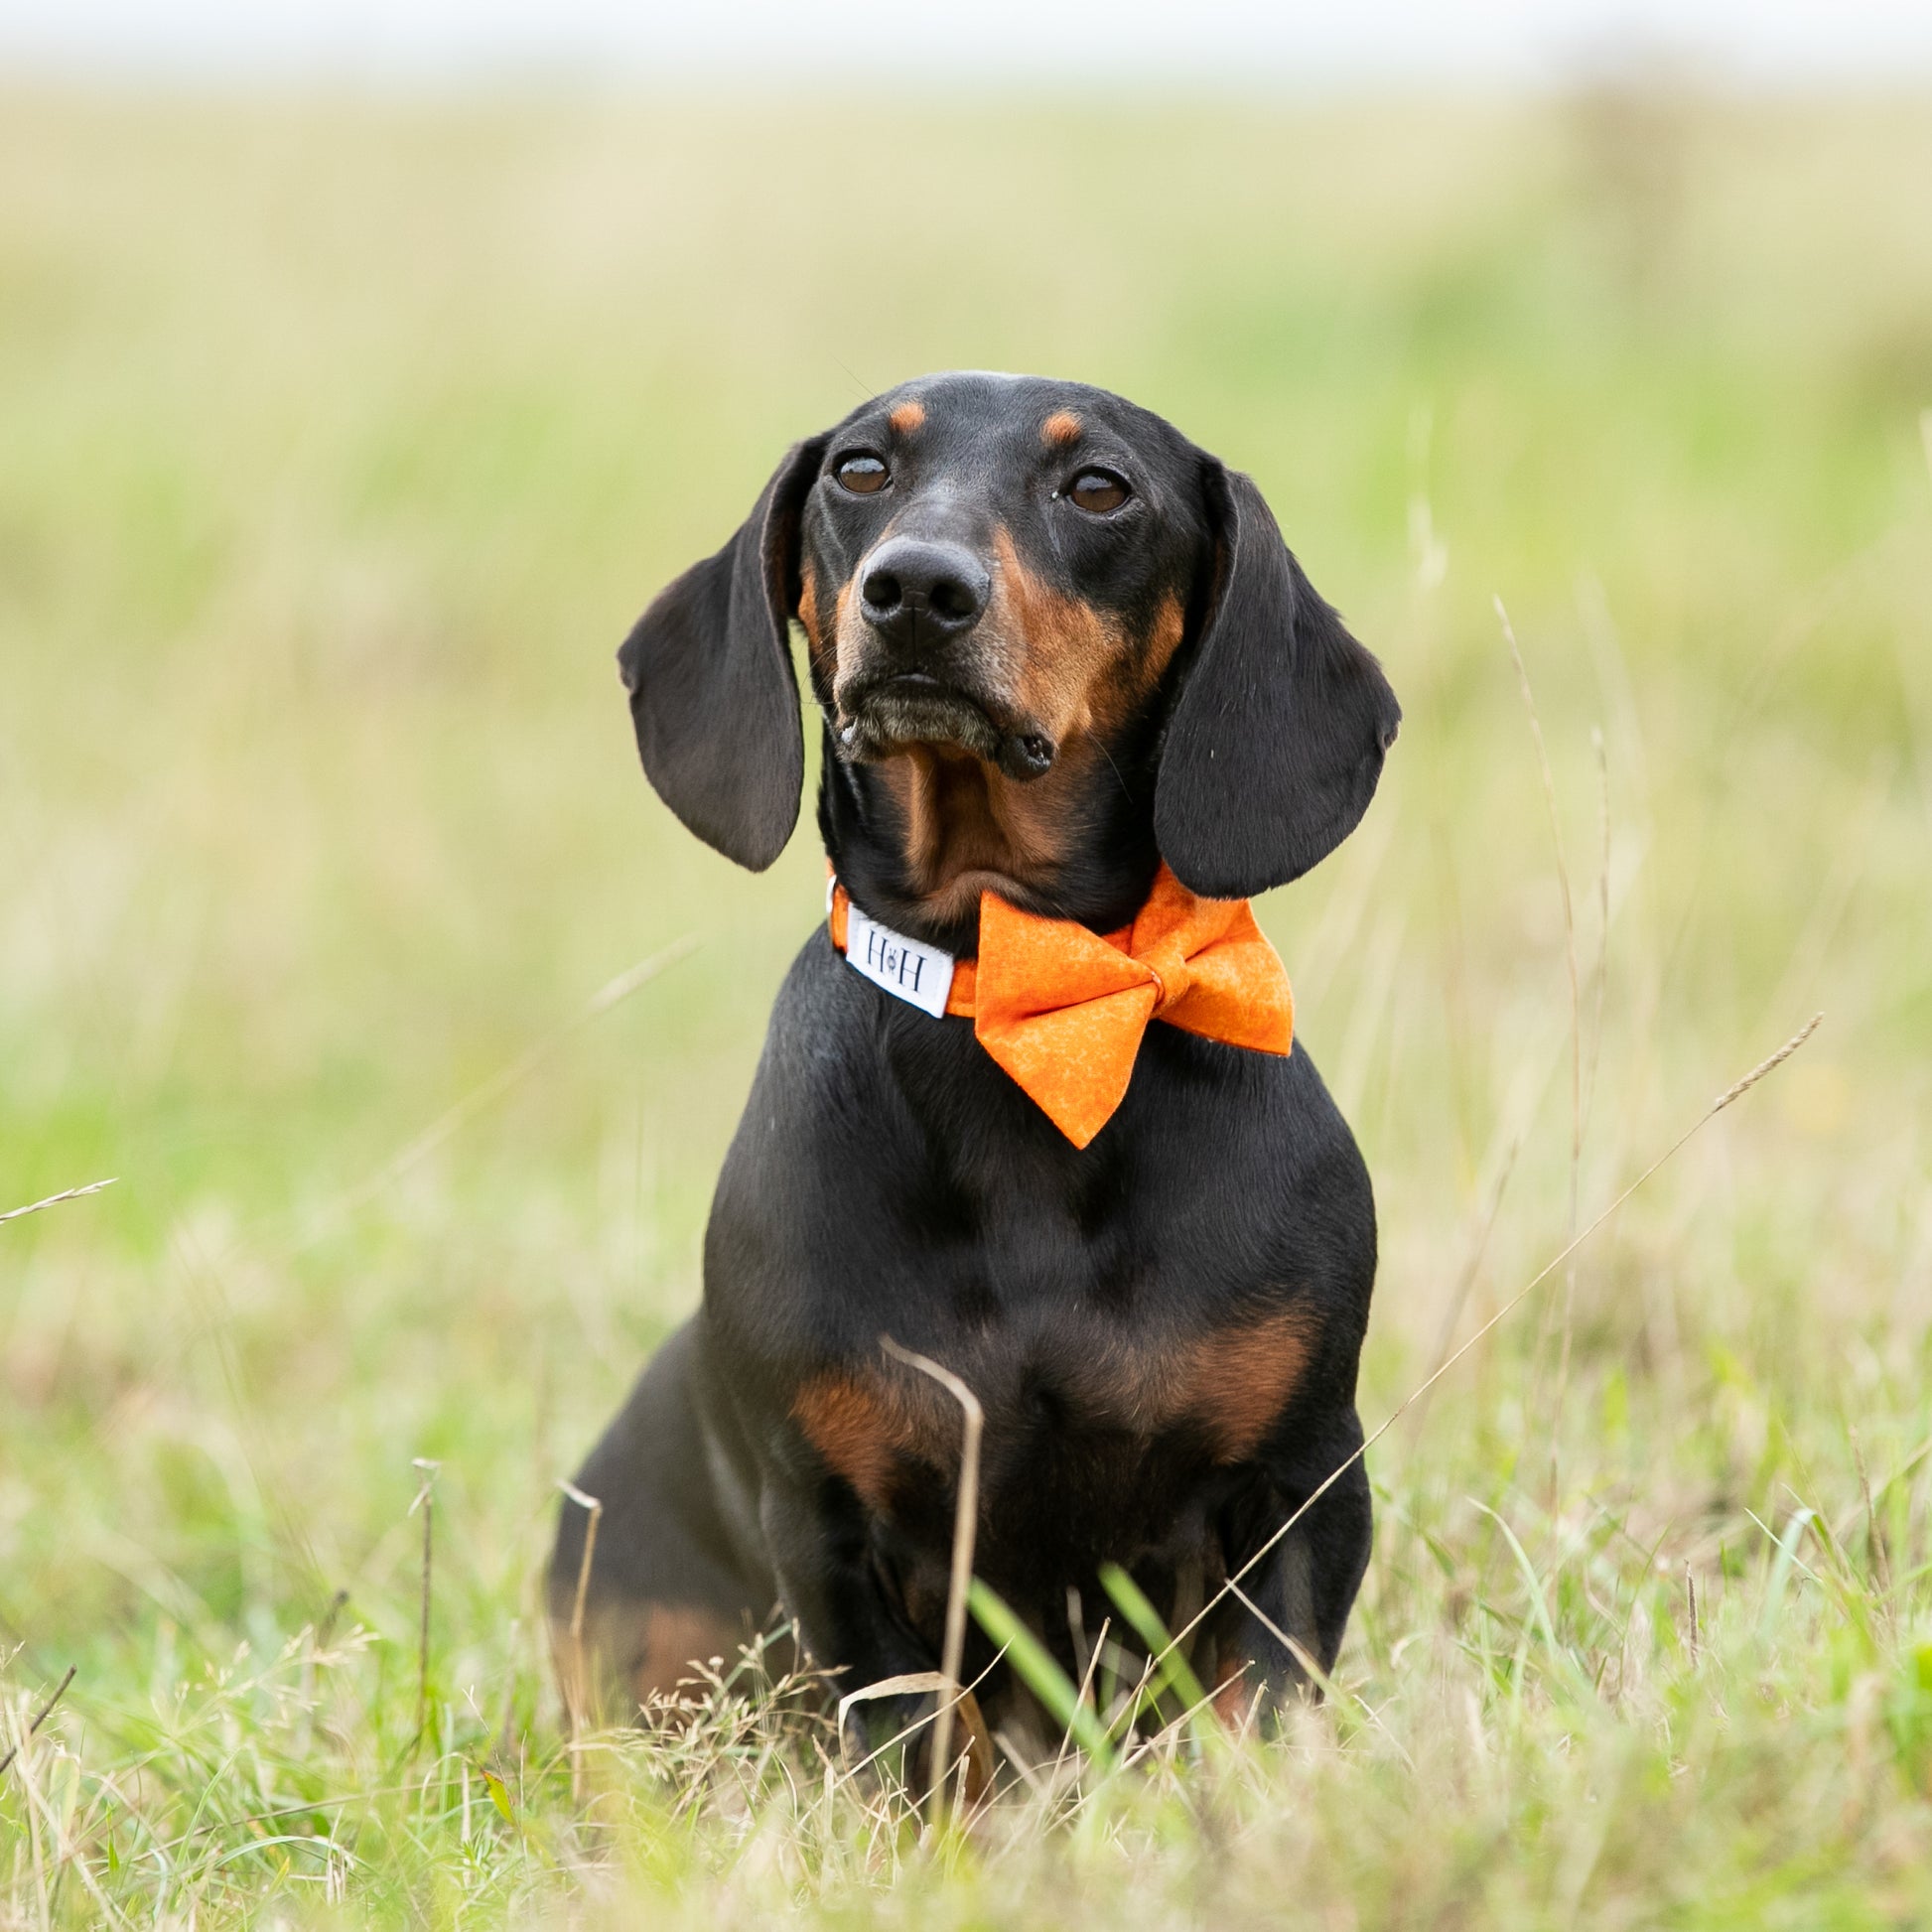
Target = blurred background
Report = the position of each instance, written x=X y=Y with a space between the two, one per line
x=363 y=371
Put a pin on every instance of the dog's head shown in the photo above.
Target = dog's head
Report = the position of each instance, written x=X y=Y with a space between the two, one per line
x=1052 y=639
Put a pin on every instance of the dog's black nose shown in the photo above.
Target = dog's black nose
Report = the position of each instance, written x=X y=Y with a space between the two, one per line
x=916 y=592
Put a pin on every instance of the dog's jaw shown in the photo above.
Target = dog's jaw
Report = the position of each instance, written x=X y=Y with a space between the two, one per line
x=886 y=718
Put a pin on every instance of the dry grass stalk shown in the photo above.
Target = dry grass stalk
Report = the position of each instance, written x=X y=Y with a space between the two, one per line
x=1466 y=1280
x=1874 y=1548
x=338 y=1602
x=426 y=1502
x=577 y=1678
x=318 y=1641
x=53 y=1201
x=1602 y=914
x=979 y=1741
x=964 y=1530
x=1085 y=1693
x=1739 y=1088
x=593 y=1509
x=46 y=1711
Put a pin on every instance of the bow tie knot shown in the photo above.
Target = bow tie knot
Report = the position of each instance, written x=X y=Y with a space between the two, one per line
x=1172 y=977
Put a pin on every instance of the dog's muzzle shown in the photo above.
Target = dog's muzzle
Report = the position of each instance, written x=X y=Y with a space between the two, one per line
x=885 y=715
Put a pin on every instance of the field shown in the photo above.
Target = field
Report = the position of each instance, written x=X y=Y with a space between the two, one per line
x=340 y=442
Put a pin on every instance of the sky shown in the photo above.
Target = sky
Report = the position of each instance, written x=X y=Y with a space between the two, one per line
x=942 y=43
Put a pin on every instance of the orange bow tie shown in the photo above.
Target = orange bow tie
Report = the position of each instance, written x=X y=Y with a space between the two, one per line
x=1062 y=1009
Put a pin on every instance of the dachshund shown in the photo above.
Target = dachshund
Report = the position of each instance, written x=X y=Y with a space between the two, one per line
x=1029 y=1103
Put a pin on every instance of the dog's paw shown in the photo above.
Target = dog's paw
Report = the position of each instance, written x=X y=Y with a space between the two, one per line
x=887 y=1732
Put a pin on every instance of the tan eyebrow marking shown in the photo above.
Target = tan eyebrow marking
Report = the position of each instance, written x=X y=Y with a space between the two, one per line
x=908 y=417
x=1062 y=427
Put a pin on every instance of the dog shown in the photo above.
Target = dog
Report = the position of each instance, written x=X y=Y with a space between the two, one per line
x=1078 y=700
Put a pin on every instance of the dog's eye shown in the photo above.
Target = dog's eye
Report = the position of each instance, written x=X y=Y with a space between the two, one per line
x=1098 y=491
x=862 y=473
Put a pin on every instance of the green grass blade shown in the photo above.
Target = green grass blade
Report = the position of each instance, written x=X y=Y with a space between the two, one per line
x=1040 y=1674
x=1173 y=1669
x=1560 y=1659
x=1782 y=1563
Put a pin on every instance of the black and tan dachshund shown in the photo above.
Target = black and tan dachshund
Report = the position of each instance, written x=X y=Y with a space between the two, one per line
x=1065 y=664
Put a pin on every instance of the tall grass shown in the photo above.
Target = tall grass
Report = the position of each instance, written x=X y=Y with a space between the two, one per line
x=338 y=443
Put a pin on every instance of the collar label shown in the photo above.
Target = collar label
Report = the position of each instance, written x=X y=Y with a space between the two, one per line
x=909 y=970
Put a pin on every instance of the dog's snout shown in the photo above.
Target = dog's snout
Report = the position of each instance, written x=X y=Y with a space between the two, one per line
x=915 y=593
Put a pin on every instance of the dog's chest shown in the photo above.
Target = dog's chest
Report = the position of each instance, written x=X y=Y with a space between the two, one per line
x=1135 y=1319
x=1091 y=1403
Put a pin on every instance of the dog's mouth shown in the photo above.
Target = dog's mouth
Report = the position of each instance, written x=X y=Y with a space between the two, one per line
x=881 y=716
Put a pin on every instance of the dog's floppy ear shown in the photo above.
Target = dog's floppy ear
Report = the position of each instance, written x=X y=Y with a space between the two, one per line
x=713 y=695
x=1276 y=739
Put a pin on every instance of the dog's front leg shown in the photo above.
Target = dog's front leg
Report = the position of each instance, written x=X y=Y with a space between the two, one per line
x=1293 y=1588
x=848 y=1617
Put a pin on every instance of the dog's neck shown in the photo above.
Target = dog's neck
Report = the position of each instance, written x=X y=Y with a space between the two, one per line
x=916 y=837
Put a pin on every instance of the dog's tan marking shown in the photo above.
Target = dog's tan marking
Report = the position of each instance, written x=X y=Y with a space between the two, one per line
x=1162 y=641
x=844 y=616
x=1065 y=644
x=1228 y=1384
x=1060 y=428
x=633 y=1650
x=1234 y=1382
x=1081 y=670
x=966 y=825
x=808 y=612
x=679 y=1640
x=1233 y=1698
x=861 y=1426
x=908 y=416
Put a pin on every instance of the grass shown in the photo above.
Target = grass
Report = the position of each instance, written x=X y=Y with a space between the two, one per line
x=340 y=442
